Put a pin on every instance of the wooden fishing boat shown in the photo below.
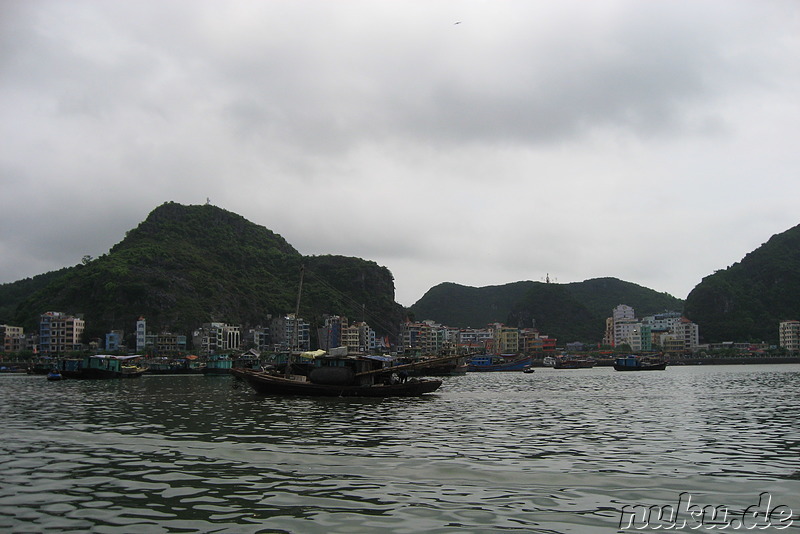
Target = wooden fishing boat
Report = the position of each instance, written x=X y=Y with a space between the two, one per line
x=266 y=383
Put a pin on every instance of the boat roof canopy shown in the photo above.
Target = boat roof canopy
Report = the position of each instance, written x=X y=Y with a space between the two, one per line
x=114 y=357
x=311 y=354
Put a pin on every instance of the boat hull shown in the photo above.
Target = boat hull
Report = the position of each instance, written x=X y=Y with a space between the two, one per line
x=101 y=374
x=643 y=367
x=514 y=365
x=574 y=364
x=265 y=384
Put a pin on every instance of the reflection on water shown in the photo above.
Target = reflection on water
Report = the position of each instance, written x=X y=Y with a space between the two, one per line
x=552 y=451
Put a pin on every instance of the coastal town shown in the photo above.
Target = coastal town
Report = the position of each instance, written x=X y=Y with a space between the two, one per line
x=60 y=335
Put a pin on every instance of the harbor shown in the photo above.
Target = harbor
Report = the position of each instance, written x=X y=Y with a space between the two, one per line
x=552 y=451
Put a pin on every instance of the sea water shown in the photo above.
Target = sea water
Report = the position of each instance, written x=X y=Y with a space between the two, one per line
x=555 y=451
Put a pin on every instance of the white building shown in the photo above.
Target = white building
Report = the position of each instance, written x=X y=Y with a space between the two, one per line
x=789 y=335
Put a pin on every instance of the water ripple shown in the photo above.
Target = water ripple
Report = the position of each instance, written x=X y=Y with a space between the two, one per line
x=553 y=451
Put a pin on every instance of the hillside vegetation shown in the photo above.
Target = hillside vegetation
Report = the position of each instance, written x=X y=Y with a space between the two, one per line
x=747 y=301
x=185 y=265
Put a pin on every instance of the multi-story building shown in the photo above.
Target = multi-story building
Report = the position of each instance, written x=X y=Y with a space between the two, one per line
x=213 y=338
x=114 y=340
x=419 y=337
x=662 y=321
x=260 y=337
x=623 y=325
x=290 y=333
x=13 y=338
x=672 y=344
x=167 y=343
x=141 y=335
x=688 y=332
x=789 y=335
x=476 y=340
x=329 y=335
x=506 y=339
x=60 y=333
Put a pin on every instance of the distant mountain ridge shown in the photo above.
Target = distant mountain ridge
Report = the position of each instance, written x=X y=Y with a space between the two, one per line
x=569 y=312
x=185 y=265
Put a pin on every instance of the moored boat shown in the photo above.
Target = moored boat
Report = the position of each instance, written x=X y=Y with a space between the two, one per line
x=338 y=376
x=54 y=374
x=175 y=366
x=496 y=362
x=639 y=363
x=269 y=384
x=218 y=364
x=568 y=362
x=100 y=366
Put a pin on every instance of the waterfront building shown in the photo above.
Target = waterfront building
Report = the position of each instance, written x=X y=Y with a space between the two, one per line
x=506 y=339
x=290 y=333
x=688 y=332
x=329 y=335
x=141 y=335
x=167 y=343
x=419 y=337
x=475 y=340
x=662 y=321
x=60 y=333
x=13 y=339
x=367 y=339
x=608 y=337
x=627 y=331
x=214 y=338
x=789 y=335
x=532 y=342
x=114 y=340
x=623 y=325
x=672 y=344
x=259 y=337
x=623 y=312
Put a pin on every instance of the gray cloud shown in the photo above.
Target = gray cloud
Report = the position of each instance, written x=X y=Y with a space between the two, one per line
x=583 y=140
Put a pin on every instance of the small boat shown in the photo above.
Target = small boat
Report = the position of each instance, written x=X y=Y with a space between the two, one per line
x=639 y=363
x=54 y=374
x=568 y=362
x=528 y=369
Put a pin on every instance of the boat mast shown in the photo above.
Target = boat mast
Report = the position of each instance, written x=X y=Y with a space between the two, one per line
x=296 y=340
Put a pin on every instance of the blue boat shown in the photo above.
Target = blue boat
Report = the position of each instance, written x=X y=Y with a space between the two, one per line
x=54 y=374
x=496 y=362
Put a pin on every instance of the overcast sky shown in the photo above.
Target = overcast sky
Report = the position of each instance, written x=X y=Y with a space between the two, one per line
x=475 y=142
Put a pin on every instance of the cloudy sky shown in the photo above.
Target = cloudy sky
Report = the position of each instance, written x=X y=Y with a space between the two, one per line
x=476 y=142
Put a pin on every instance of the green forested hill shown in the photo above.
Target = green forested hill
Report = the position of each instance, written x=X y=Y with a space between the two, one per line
x=569 y=312
x=185 y=265
x=747 y=301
